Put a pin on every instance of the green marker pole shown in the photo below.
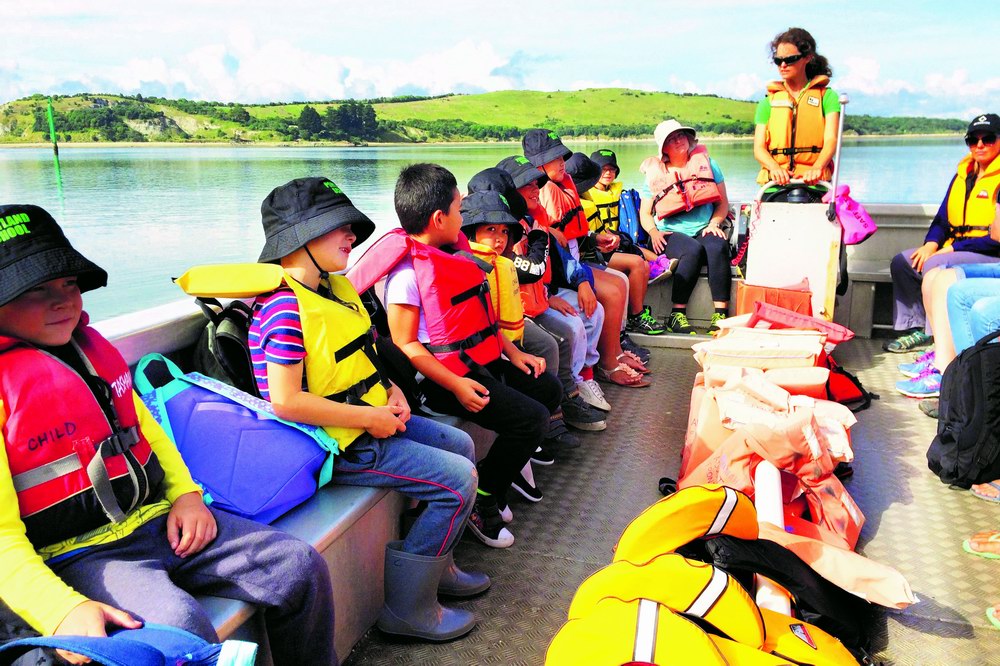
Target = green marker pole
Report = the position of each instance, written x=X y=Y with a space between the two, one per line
x=55 y=149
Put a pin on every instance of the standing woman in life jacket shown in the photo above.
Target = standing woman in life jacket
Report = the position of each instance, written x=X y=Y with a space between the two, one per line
x=796 y=123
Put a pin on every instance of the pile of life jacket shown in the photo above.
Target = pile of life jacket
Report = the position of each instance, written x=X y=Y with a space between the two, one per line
x=677 y=592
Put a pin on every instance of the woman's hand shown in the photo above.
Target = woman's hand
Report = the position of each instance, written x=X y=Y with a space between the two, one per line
x=813 y=175
x=190 y=525
x=90 y=619
x=658 y=240
x=714 y=229
x=780 y=175
x=922 y=254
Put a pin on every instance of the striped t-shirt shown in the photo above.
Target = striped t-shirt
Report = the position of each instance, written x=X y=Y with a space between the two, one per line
x=275 y=334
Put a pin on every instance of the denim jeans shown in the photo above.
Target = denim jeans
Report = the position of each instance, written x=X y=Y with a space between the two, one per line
x=429 y=461
x=907 y=302
x=580 y=331
x=973 y=310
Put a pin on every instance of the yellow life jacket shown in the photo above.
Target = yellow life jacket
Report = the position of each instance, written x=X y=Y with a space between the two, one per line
x=505 y=291
x=606 y=202
x=795 y=129
x=592 y=214
x=338 y=335
x=970 y=214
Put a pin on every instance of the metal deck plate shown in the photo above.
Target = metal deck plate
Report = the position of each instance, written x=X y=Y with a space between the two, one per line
x=915 y=523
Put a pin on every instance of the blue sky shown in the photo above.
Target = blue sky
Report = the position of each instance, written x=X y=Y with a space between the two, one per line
x=891 y=57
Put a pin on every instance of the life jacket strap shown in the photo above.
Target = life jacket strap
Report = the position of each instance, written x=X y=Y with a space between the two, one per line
x=364 y=343
x=967 y=229
x=115 y=445
x=467 y=343
x=354 y=394
x=479 y=290
x=795 y=150
x=484 y=266
x=567 y=218
x=680 y=184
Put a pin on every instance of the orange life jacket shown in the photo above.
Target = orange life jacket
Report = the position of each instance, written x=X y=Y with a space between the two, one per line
x=795 y=128
x=679 y=189
x=562 y=202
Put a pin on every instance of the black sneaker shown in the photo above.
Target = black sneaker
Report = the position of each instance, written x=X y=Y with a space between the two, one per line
x=487 y=525
x=578 y=414
x=628 y=344
x=543 y=456
x=526 y=490
x=644 y=323
x=677 y=322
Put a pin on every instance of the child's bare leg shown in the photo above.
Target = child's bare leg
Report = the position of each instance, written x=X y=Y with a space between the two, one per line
x=611 y=294
x=637 y=271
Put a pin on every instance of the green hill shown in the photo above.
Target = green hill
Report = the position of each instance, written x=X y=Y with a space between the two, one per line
x=505 y=115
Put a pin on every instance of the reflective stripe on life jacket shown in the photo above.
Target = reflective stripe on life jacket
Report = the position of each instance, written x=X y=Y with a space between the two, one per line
x=606 y=202
x=680 y=189
x=970 y=214
x=562 y=203
x=795 y=128
x=454 y=296
x=73 y=468
x=505 y=293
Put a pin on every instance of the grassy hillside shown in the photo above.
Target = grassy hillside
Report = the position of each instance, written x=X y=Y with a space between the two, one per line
x=505 y=115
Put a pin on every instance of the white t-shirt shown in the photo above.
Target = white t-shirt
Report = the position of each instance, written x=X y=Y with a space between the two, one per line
x=401 y=289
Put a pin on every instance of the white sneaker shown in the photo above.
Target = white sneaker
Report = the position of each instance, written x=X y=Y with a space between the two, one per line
x=592 y=394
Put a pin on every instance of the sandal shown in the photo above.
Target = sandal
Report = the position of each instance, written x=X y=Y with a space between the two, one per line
x=622 y=375
x=988 y=498
x=994 y=537
x=633 y=361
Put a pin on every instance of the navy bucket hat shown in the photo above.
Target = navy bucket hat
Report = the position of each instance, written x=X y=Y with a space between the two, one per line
x=34 y=249
x=605 y=157
x=489 y=207
x=584 y=172
x=541 y=146
x=304 y=209
x=498 y=180
x=523 y=171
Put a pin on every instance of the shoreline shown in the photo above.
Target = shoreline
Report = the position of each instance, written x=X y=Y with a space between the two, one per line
x=396 y=144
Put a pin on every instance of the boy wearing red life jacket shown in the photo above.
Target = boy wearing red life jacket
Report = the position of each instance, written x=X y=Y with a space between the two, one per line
x=440 y=316
x=100 y=522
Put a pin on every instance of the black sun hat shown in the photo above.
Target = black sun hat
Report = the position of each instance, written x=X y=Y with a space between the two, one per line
x=541 y=146
x=489 y=207
x=304 y=209
x=605 y=157
x=500 y=181
x=34 y=249
x=522 y=171
x=584 y=172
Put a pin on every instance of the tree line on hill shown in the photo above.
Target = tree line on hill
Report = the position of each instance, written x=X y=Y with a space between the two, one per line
x=357 y=121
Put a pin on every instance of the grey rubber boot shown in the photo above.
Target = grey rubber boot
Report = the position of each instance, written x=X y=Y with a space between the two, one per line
x=458 y=583
x=411 y=607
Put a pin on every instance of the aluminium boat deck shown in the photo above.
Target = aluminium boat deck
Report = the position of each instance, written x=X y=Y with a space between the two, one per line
x=914 y=522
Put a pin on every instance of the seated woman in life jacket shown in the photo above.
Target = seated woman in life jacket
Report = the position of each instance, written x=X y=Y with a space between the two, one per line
x=101 y=524
x=683 y=207
x=958 y=234
x=797 y=122
x=314 y=359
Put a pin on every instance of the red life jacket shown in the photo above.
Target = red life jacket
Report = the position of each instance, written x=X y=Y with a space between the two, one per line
x=562 y=202
x=454 y=296
x=72 y=468
x=679 y=189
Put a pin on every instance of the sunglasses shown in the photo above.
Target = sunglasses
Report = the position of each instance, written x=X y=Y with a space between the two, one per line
x=987 y=139
x=787 y=60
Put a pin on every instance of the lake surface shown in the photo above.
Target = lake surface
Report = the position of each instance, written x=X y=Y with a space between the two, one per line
x=147 y=214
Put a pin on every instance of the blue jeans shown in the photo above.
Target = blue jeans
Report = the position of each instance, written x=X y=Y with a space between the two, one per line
x=973 y=310
x=429 y=461
x=579 y=330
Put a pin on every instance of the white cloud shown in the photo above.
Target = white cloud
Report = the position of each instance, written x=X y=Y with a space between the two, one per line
x=864 y=76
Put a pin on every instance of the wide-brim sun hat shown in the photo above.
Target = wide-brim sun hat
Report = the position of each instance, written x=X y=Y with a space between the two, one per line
x=523 y=171
x=34 y=250
x=668 y=127
x=498 y=180
x=304 y=209
x=605 y=157
x=583 y=170
x=542 y=146
x=489 y=207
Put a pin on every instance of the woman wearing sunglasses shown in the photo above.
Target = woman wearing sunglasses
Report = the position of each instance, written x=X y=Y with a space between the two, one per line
x=959 y=233
x=796 y=123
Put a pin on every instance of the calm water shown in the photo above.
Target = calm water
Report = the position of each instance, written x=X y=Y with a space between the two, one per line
x=147 y=214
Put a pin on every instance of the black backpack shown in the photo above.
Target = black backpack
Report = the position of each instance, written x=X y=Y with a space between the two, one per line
x=222 y=351
x=966 y=449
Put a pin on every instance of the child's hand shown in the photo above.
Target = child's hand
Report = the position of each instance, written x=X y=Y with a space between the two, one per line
x=562 y=305
x=607 y=242
x=385 y=421
x=559 y=236
x=90 y=619
x=190 y=525
x=529 y=364
x=587 y=298
x=397 y=399
x=471 y=394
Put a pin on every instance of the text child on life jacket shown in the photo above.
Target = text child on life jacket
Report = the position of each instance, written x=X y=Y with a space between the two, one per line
x=586 y=174
x=797 y=121
x=553 y=306
x=440 y=315
x=683 y=207
x=312 y=345
x=958 y=234
x=525 y=257
x=100 y=522
x=568 y=224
